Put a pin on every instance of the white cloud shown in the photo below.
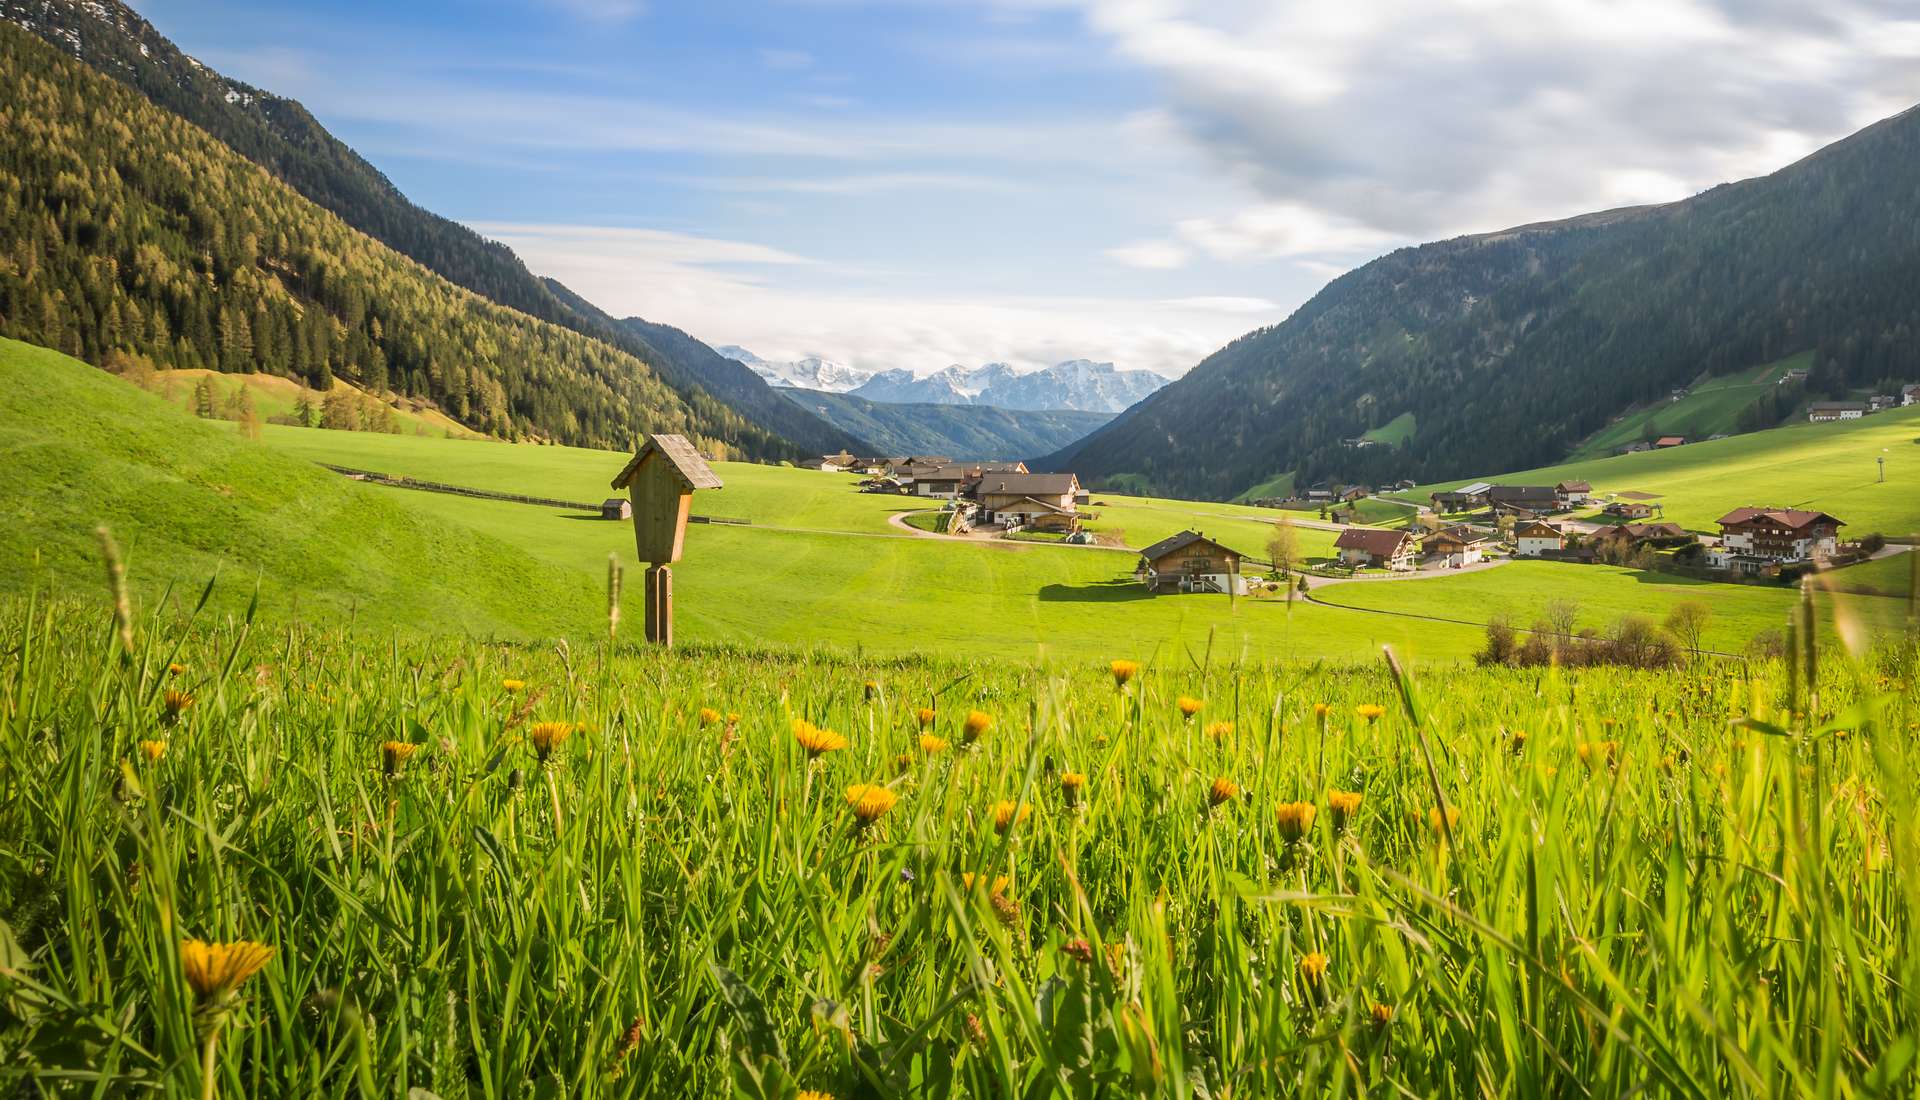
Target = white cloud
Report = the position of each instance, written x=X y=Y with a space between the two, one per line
x=739 y=292
x=1151 y=255
x=1397 y=120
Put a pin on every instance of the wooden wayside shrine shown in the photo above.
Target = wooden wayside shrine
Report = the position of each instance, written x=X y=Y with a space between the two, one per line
x=661 y=480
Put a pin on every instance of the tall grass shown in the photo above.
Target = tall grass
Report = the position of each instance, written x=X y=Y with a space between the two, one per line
x=1696 y=882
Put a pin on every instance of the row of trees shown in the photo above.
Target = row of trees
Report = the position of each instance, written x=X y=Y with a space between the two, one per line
x=1634 y=641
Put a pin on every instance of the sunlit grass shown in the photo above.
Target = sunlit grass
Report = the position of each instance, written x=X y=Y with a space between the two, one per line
x=489 y=870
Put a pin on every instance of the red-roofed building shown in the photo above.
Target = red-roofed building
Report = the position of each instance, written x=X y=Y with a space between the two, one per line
x=1374 y=546
x=1753 y=538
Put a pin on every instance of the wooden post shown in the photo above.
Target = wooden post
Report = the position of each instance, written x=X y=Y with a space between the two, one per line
x=659 y=609
x=661 y=480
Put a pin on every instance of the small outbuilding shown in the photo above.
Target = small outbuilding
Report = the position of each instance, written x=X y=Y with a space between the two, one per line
x=616 y=508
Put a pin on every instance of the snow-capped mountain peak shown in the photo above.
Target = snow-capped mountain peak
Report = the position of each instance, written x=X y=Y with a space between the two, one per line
x=812 y=373
x=1081 y=384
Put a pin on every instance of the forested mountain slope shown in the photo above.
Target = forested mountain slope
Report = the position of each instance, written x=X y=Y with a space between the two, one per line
x=125 y=229
x=1512 y=347
x=281 y=136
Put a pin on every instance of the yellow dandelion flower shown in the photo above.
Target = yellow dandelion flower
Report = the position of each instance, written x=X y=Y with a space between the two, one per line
x=1382 y=1015
x=174 y=668
x=153 y=750
x=709 y=716
x=997 y=886
x=1517 y=741
x=1343 y=805
x=1321 y=710
x=395 y=754
x=872 y=688
x=1223 y=790
x=1219 y=731
x=1433 y=819
x=1313 y=967
x=1124 y=672
x=548 y=736
x=870 y=800
x=930 y=744
x=816 y=740
x=1007 y=814
x=925 y=716
x=812 y=1094
x=1071 y=784
x=512 y=686
x=977 y=723
x=172 y=703
x=1189 y=706
x=217 y=969
x=1595 y=754
x=1370 y=711
x=1296 y=820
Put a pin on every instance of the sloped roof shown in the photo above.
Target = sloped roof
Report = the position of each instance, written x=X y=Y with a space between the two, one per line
x=1793 y=518
x=1524 y=492
x=676 y=450
x=1536 y=529
x=1376 y=541
x=1574 y=487
x=1638 y=531
x=1180 y=542
x=1015 y=484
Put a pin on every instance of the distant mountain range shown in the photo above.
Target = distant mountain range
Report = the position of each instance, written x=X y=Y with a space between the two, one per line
x=1511 y=348
x=1076 y=384
x=969 y=432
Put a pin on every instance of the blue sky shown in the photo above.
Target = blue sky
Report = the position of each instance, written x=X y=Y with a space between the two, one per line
x=921 y=182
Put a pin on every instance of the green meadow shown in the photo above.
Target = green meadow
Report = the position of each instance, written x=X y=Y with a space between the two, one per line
x=1832 y=467
x=1710 y=408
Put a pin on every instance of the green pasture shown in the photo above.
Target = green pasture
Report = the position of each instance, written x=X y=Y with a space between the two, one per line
x=1832 y=467
x=1710 y=408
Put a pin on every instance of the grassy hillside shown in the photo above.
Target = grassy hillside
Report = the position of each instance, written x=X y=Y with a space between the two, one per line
x=1713 y=407
x=961 y=431
x=1827 y=466
x=273 y=396
x=188 y=500
x=151 y=240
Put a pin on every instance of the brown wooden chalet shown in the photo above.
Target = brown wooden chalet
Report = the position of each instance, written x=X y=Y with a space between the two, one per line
x=1047 y=502
x=1526 y=500
x=1190 y=562
x=1376 y=547
x=1778 y=534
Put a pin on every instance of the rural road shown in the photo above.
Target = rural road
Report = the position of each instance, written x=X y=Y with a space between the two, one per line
x=899 y=520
